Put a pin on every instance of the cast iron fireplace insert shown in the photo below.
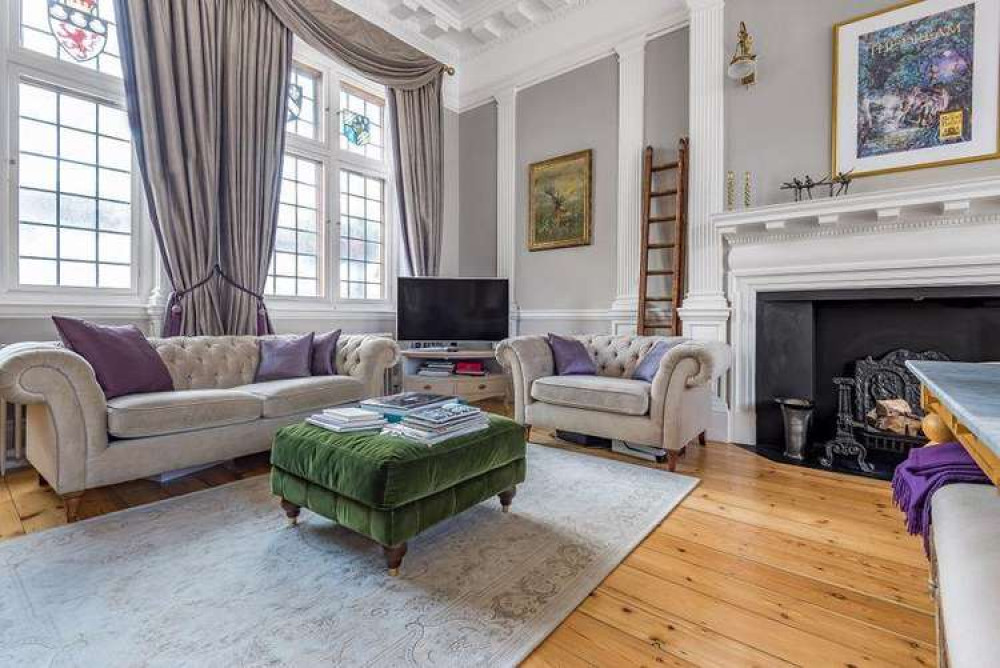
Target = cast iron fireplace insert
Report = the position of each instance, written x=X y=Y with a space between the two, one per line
x=807 y=339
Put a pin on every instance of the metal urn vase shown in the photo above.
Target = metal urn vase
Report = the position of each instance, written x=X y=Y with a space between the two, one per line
x=797 y=414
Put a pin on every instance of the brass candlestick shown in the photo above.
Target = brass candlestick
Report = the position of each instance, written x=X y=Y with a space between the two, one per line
x=730 y=190
x=747 y=199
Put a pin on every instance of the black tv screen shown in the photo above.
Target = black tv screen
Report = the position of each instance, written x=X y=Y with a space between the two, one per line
x=452 y=309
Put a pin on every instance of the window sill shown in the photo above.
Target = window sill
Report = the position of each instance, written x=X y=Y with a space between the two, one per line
x=300 y=310
x=43 y=305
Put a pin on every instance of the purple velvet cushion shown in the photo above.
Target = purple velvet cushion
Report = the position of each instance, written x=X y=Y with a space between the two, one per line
x=650 y=362
x=285 y=357
x=324 y=354
x=123 y=360
x=571 y=357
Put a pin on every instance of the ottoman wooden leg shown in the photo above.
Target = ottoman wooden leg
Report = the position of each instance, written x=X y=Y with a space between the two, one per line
x=507 y=498
x=394 y=557
x=291 y=511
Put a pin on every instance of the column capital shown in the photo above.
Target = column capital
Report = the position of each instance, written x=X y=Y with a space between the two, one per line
x=705 y=5
x=505 y=96
x=632 y=45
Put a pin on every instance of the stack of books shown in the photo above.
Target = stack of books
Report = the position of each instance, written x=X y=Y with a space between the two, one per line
x=348 y=420
x=436 y=369
x=401 y=405
x=436 y=425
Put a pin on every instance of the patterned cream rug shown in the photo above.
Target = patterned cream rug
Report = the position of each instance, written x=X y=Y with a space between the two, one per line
x=217 y=578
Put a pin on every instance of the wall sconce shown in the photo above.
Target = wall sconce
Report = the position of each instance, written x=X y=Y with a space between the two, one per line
x=743 y=66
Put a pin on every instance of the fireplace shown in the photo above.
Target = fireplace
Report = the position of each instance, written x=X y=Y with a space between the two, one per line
x=845 y=349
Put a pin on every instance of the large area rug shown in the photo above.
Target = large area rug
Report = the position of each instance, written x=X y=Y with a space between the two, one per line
x=217 y=578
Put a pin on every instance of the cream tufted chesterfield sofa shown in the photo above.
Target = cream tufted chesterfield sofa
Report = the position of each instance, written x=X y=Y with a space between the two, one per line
x=668 y=413
x=77 y=440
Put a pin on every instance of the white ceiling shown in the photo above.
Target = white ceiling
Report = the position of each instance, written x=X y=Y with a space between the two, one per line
x=466 y=27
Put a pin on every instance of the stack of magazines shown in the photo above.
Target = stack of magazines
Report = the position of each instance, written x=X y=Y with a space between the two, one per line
x=436 y=369
x=348 y=420
x=436 y=425
x=405 y=403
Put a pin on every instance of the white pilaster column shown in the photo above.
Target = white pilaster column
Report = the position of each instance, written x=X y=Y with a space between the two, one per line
x=706 y=311
x=507 y=193
x=631 y=142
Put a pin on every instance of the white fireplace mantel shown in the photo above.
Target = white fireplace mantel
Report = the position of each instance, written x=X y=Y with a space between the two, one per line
x=907 y=206
x=939 y=235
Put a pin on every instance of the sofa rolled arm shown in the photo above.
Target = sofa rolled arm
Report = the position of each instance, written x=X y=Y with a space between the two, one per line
x=527 y=358
x=713 y=359
x=367 y=357
x=46 y=373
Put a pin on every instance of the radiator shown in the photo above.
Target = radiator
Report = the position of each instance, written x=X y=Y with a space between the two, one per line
x=12 y=428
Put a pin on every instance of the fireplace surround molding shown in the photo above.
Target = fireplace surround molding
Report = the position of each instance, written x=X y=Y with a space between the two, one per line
x=931 y=236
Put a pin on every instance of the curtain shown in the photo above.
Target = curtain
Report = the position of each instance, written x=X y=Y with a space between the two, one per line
x=258 y=63
x=172 y=72
x=205 y=82
x=417 y=138
x=414 y=83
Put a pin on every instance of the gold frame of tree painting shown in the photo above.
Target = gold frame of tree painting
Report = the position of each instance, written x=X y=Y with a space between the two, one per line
x=560 y=201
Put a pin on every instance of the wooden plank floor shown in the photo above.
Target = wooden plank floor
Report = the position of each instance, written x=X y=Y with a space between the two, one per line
x=762 y=565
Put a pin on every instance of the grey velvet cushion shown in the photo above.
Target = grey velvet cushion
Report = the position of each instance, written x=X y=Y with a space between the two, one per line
x=298 y=395
x=599 y=393
x=966 y=527
x=158 y=413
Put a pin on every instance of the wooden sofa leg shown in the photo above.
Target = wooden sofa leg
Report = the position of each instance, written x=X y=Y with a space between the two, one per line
x=394 y=557
x=674 y=456
x=71 y=502
x=702 y=440
x=527 y=433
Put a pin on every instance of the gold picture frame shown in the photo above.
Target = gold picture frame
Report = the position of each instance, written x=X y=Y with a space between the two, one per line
x=560 y=202
x=986 y=104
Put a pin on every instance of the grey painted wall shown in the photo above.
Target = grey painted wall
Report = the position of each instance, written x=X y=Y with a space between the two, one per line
x=477 y=245
x=572 y=112
x=781 y=127
x=667 y=92
x=452 y=188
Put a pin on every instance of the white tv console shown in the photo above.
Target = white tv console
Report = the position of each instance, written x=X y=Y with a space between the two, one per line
x=496 y=382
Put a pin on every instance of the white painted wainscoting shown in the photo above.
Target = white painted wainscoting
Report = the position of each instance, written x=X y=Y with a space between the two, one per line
x=943 y=235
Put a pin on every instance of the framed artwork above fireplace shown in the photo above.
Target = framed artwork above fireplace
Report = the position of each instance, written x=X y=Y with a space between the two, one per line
x=915 y=86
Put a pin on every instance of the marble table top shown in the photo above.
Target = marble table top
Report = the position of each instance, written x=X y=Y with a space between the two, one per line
x=970 y=391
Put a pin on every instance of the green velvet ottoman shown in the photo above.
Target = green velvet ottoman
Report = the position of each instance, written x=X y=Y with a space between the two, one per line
x=389 y=488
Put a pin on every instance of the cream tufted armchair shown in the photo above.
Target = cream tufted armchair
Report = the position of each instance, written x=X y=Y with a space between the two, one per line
x=668 y=413
x=78 y=440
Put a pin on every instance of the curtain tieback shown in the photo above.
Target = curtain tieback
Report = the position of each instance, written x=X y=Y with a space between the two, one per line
x=178 y=295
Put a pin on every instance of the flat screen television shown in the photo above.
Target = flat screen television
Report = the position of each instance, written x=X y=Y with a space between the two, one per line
x=452 y=309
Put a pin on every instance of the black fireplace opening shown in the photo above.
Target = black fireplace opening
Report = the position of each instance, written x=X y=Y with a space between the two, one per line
x=811 y=344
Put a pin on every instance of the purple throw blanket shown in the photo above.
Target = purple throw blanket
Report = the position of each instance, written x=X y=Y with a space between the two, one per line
x=925 y=471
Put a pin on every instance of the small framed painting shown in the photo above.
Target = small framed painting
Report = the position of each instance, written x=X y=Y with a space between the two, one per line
x=559 y=202
x=916 y=85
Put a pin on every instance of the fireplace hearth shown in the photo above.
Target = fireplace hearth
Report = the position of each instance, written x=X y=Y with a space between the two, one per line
x=845 y=350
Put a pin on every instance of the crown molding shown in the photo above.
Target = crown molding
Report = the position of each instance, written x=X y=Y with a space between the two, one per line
x=537 y=57
x=378 y=13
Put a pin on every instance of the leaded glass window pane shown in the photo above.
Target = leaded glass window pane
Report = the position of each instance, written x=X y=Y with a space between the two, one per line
x=293 y=271
x=74 y=192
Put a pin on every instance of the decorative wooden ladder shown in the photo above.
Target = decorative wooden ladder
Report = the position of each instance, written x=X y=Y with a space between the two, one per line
x=675 y=244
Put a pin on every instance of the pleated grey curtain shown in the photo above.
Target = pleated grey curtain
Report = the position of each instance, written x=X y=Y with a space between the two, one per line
x=173 y=71
x=416 y=112
x=258 y=63
x=418 y=143
x=205 y=82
